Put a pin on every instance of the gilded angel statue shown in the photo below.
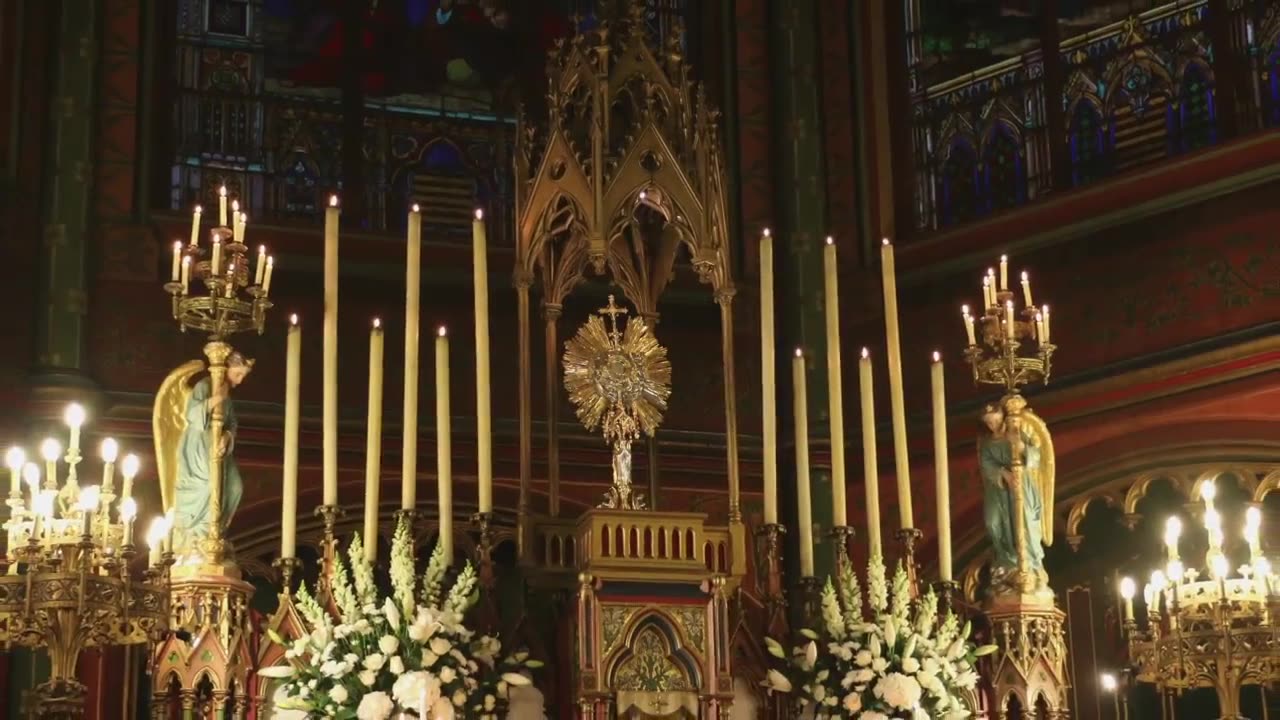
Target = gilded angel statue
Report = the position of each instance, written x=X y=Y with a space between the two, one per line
x=181 y=423
x=995 y=459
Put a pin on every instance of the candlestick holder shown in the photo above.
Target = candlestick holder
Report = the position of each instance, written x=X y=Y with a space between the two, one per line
x=1008 y=351
x=288 y=567
x=408 y=516
x=769 y=582
x=947 y=591
x=485 y=572
x=841 y=536
x=329 y=515
x=810 y=600
x=909 y=538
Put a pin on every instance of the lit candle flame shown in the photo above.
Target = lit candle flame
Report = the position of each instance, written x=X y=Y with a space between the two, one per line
x=293 y=319
x=479 y=214
x=937 y=356
x=831 y=240
x=442 y=331
x=416 y=208
x=333 y=201
x=866 y=353
x=377 y=323
x=766 y=232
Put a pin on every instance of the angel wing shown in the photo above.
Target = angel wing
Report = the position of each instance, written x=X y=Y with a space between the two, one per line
x=168 y=422
x=1045 y=479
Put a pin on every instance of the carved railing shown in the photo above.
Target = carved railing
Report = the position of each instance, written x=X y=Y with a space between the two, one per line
x=1131 y=94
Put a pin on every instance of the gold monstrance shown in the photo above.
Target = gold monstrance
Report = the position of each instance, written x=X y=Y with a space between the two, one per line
x=618 y=380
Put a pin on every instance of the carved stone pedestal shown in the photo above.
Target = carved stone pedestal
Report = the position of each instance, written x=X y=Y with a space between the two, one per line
x=1031 y=663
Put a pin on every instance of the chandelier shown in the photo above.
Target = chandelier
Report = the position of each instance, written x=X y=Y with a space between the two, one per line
x=1214 y=629
x=70 y=581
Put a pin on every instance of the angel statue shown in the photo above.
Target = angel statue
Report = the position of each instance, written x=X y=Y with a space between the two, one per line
x=182 y=419
x=995 y=459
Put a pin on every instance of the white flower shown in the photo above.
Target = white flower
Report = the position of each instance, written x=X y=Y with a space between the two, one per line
x=910 y=666
x=967 y=679
x=333 y=668
x=879 y=665
x=368 y=677
x=459 y=698
x=863 y=658
x=396 y=666
x=900 y=691
x=276 y=672
x=375 y=662
x=872 y=715
x=853 y=702
x=865 y=675
x=447 y=675
x=777 y=681
x=442 y=709
x=489 y=702
x=810 y=656
x=416 y=691
x=819 y=693
x=392 y=612
x=388 y=644
x=440 y=646
x=429 y=658
x=338 y=694
x=375 y=706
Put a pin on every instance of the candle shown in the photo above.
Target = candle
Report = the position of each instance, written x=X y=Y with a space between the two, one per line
x=175 y=273
x=870 y=473
x=186 y=275
x=896 y=404
x=1044 y=336
x=244 y=225
x=110 y=450
x=412 y=290
x=222 y=206
x=968 y=325
x=155 y=542
x=1172 y=531
x=1004 y=273
x=1252 y=526
x=74 y=417
x=329 y=409
x=216 y=262
x=480 y=263
x=991 y=281
x=15 y=459
x=261 y=271
x=195 y=226
x=128 y=511
x=835 y=391
x=1026 y=289
x=128 y=471
x=988 y=297
x=50 y=450
x=804 y=505
x=1127 y=590
x=941 y=470
x=292 y=416
x=266 y=277
x=373 y=444
x=444 y=462
x=769 y=401
x=231 y=278
x=1040 y=327
x=1009 y=320
x=236 y=230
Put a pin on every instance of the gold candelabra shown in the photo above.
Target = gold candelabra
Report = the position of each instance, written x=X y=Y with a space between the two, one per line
x=70 y=581
x=1218 y=632
x=232 y=301
x=1009 y=347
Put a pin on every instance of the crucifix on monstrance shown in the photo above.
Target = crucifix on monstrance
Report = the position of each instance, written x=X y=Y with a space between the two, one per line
x=619 y=380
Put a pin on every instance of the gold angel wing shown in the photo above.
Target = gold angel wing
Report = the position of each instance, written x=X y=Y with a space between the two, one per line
x=168 y=422
x=1045 y=480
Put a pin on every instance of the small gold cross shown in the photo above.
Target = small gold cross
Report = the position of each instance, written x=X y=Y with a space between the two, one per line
x=613 y=311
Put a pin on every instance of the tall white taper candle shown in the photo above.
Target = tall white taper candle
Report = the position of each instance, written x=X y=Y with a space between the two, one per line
x=484 y=435
x=373 y=444
x=870 y=469
x=941 y=471
x=804 y=499
x=444 y=445
x=292 y=413
x=835 y=386
x=768 y=381
x=412 y=302
x=329 y=410
x=897 y=407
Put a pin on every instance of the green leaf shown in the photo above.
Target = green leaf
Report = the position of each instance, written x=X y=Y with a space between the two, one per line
x=775 y=648
x=806 y=632
x=534 y=664
x=985 y=650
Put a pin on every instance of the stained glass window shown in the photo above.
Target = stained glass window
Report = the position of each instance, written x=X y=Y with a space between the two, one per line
x=1196 y=112
x=1002 y=170
x=1087 y=143
x=958 y=184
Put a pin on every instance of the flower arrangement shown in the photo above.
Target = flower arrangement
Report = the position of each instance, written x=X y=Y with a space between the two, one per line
x=408 y=653
x=887 y=663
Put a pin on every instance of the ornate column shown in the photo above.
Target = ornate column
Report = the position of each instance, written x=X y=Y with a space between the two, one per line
x=523 y=281
x=551 y=314
x=67 y=198
x=801 y=229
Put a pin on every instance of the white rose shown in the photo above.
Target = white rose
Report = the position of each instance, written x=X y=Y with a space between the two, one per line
x=853 y=702
x=911 y=666
x=416 y=691
x=440 y=646
x=338 y=694
x=375 y=662
x=388 y=644
x=396 y=665
x=375 y=706
x=368 y=677
x=900 y=691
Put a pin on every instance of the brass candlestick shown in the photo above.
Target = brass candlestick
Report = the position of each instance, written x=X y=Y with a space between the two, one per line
x=288 y=567
x=909 y=538
x=485 y=573
x=841 y=536
x=329 y=515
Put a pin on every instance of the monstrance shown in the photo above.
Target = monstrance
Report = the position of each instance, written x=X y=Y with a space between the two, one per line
x=619 y=380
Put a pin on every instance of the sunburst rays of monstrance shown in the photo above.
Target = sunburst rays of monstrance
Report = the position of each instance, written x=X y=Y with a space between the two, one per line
x=618 y=380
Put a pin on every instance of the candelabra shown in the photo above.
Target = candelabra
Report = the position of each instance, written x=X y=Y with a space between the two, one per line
x=1218 y=632
x=1015 y=349
x=70 y=581
x=231 y=301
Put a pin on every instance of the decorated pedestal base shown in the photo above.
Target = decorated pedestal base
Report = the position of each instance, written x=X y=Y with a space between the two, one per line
x=1031 y=662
